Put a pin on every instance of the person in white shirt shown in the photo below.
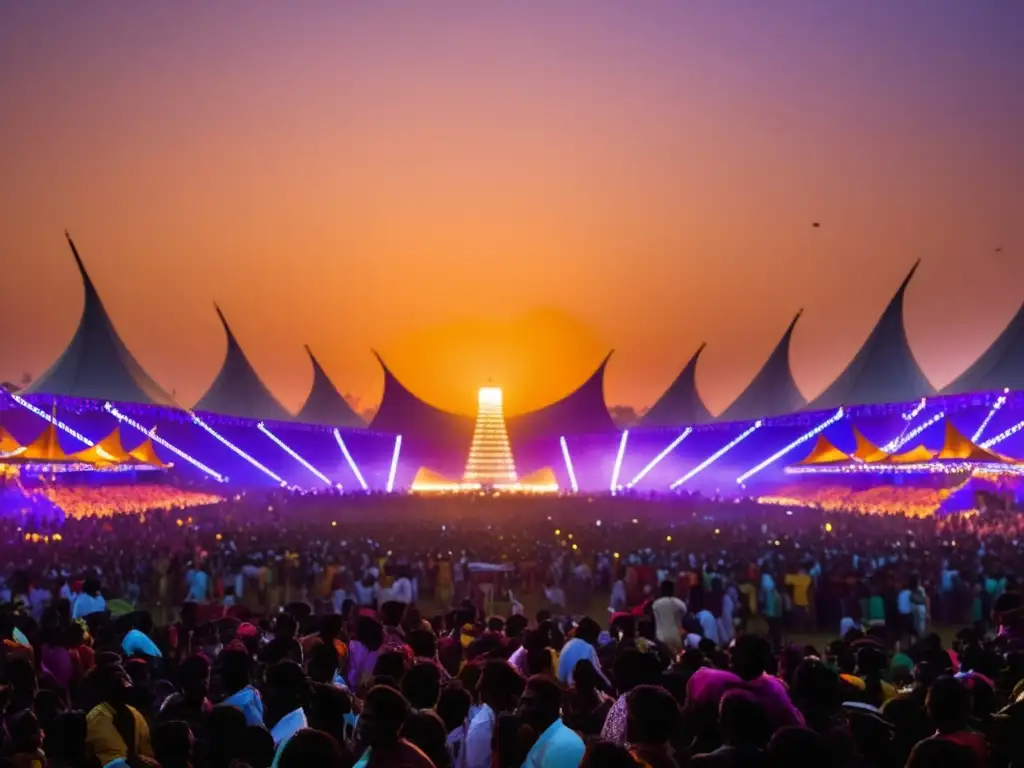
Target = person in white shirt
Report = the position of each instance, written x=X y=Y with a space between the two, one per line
x=500 y=688
x=669 y=611
x=401 y=590
x=367 y=591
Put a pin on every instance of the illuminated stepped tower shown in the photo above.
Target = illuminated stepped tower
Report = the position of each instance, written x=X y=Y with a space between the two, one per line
x=490 y=461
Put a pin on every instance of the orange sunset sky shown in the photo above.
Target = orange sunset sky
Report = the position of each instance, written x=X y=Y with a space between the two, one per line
x=508 y=190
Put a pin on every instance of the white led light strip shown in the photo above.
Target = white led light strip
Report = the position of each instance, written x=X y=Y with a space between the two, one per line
x=1003 y=435
x=799 y=441
x=658 y=459
x=350 y=460
x=568 y=465
x=152 y=435
x=716 y=455
x=236 y=449
x=294 y=454
x=52 y=419
x=995 y=409
x=394 y=464
x=617 y=468
x=894 y=445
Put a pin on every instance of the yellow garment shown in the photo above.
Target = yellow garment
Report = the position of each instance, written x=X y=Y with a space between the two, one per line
x=749 y=591
x=888 y=690
x=801 y=584
x=104 y=742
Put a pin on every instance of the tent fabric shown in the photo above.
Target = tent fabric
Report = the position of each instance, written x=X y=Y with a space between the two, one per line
x=543 y=477
x=917 y=455
x=866 y=451
x=325 y=404
x=46 y=447
x=96 y=364
x=107 y=451
x=884 y=369
x=238 y=389
x=773 y=391
x=582 y=411
x=146 y=454
x=681 y=404
x=824 y=452
x=402 y=412
x=957 y=446
x=1001 y=366
x=7 y=442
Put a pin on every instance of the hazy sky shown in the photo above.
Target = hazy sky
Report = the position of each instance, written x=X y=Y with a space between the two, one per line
x=508 y=190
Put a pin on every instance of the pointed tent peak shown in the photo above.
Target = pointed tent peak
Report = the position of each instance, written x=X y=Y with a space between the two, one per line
x=8 y=444
x=325 y=404
x=824 y=452
x=680 y=404
x=312 y=358
x=223 y=320
x=917 y=455
x=93 y=304
x=956 y=445
x=908 y=278
x=884 y=370
x=96 y=364
x=387 y=371
x=774 y=390
x=1001 y=366
x=109 y=450
x=46 y=447
x=146 y=454
x=74 y=252
x=866 y=451
x=238 y=389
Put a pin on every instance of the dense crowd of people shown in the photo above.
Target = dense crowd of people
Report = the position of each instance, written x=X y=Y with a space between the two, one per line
x=481 y=630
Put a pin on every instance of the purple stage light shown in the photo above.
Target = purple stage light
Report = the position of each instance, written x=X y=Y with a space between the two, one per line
x=394 y=464
x=350 y=460
x=618 y=461
x=152 y=435
x=717 y=455
x=1000 y=402
x=291 y=452
x=568 y=465
x=657 y=459
x=799 y=441
x=1003 y=435
x=52 y=419
x=238 y=450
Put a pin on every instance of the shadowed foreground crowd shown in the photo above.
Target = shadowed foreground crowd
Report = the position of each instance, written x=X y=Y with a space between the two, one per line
x=382 y=682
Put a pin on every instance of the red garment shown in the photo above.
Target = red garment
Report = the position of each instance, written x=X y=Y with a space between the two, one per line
x=973 y=741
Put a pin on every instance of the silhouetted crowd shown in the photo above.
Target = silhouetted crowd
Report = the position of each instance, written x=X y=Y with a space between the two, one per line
x=480 y=631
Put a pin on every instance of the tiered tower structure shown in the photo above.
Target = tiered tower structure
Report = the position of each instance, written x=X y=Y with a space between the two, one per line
x=490 y=461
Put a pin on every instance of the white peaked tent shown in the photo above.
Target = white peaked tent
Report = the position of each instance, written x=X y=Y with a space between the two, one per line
x=773 y=391
x=325 y=404
x=238 y=389
x=96 y=364
x=884 y=369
